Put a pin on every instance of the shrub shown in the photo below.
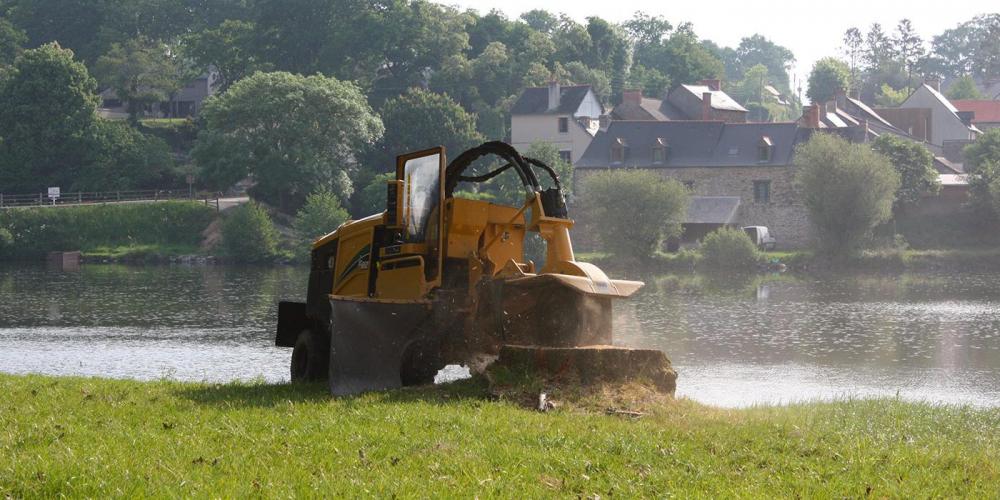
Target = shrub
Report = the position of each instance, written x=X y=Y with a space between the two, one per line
x=848 y=189
x=249 y=235
x=321 y=214
x=729 y=248
x=36 y=231
x=632 y=211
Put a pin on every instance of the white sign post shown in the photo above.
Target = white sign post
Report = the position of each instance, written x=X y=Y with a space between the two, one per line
x=53 y=194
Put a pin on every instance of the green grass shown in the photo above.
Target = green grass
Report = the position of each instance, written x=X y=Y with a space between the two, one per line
x=97 y=438
x=140 y=252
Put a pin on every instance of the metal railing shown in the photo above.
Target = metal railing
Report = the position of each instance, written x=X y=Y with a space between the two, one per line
x=86 y=198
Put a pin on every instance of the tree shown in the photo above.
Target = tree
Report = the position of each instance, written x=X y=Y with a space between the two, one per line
x=915 y=166
x=828 y=76
x=320 y=215
x=540 y=20
x=878 y=47
x=142 y=72
x=853 y=49
x=632 y=211
x=758 y=50
x=848 y=189
x=292 y=134
x=249 y=235
x=909 y=46
x=49 y=110
x=230 y=48
x=982 y=162
x=890 y=97
x=372 y=198
x=964 y=88
x=420 y=119
x=729 y=248
x=681 y=58
x=971 y=48
x=119 y=158
x=11 y=41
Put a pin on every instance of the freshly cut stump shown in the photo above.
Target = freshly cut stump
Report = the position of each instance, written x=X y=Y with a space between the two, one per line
x=592 y=364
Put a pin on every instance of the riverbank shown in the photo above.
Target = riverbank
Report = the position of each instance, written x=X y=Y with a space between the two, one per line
x=97 y=437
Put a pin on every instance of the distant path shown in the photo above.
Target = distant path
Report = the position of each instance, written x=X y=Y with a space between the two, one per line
x=115 y=197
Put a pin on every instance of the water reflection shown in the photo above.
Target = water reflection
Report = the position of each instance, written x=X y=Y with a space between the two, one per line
x=735 y=340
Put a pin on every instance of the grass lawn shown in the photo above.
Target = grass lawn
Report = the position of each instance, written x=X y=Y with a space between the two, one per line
x=97 y=438
x=140 y=252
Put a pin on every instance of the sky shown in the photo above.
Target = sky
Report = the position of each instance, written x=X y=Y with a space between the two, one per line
x=811 y=30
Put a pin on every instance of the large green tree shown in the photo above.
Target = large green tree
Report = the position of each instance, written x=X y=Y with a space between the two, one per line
x=420 y=119
x=12 y=40
x=915 y=166
x=142 y=72
x=964 y=88
x=49 y=111
x=848 y=190
x=827 y=77
x=291 y=134
x=633 y=211
x=230 y=48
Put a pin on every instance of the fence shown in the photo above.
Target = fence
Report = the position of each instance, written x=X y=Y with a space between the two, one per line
x=86 y=198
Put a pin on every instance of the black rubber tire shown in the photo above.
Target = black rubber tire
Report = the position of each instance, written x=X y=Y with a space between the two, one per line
x=310 y=357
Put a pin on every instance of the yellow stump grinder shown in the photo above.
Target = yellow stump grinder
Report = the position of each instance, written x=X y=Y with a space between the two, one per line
x=437 y=280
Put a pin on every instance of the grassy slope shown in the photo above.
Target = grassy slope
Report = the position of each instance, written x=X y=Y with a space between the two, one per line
x=91 y=437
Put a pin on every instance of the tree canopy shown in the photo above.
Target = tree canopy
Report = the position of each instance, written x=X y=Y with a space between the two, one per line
x=848 y=190
x=828 y=76
x=291 y=134
x=915 y=166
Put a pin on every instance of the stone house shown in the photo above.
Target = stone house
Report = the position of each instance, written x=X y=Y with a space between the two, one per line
x=566 y=116
x=745 y=167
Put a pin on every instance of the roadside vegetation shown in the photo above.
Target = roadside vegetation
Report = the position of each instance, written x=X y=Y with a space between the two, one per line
x=156 y=227
x=90 y=437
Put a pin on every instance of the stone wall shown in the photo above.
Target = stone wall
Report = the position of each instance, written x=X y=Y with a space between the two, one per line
x=785 y=215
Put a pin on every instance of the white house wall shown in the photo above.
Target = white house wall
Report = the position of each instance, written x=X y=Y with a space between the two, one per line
x=945 y=124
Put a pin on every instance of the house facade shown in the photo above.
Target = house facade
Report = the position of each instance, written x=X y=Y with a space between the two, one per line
x=186 y=102
x=566 y=116
x=928 y=115
x=746 y=168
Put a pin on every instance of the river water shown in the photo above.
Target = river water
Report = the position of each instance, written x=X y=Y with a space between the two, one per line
x=734 y=342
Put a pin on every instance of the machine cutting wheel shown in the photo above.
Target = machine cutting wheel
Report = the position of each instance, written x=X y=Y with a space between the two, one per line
x=438 y=279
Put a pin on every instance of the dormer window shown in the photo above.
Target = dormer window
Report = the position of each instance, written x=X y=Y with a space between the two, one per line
x=765 y=148
x=661 y=150
x=618 y=150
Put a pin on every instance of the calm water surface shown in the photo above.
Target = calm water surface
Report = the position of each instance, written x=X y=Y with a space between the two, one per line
x=933 y=337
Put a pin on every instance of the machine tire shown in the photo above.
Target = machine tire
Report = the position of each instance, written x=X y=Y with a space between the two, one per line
x=310 y=358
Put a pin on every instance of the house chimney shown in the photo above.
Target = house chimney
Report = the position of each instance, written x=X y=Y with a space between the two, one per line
x=713 y=84
x=604 y=122
x=810 y=116
x=632 y=96
x=933 y=82
x=553 y=95
x=706 y=106
x=841 y=99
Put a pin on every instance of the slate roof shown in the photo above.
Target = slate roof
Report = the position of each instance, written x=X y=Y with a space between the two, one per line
x=648 y=109
x=720 y=99
x=712 y=210
x=535 y=100
x=693 y=144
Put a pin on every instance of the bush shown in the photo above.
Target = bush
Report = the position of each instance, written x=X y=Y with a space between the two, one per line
x=249 y=235
x=38 y=230
x=729 y=248
x=632 y=211
x=320 y=215
x=848 y=190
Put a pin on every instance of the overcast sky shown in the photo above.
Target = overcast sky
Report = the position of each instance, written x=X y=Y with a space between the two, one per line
x=810 y=29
